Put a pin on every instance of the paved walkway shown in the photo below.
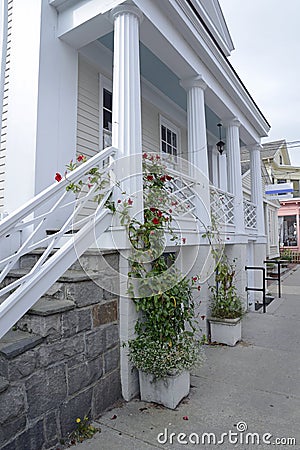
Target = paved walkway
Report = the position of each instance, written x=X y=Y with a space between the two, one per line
x=255 y=385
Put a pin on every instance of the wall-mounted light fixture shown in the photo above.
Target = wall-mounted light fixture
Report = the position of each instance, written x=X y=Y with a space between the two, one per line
x=220 y=145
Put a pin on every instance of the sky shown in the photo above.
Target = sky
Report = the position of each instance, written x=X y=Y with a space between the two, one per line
x=266 y=37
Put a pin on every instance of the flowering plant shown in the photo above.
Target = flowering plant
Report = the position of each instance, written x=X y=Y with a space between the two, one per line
x=165 y=340
x=159 y=290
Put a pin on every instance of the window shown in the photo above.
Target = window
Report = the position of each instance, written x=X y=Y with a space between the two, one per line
x=169 y=138
x=280 y=160
x=288 y=231
x=107 y=117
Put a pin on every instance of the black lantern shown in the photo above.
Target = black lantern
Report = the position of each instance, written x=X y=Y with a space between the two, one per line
x=220 y=144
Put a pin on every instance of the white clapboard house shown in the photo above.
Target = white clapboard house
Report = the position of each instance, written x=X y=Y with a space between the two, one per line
x=111 y=80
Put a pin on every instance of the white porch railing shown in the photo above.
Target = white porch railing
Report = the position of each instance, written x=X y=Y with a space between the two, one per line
x=222 y=206
x=250 y=214
x=181 y=189
x=32 y=221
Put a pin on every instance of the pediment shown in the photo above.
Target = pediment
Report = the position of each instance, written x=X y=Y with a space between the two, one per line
x=211 y=13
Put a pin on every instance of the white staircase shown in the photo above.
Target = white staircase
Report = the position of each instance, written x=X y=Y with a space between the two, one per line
x=26 y=230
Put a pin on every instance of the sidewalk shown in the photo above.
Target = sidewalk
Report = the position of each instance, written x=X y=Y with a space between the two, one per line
x=257 y=382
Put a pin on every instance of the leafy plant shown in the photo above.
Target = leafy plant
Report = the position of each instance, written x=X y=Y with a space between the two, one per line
x=225 y=302
x=165 y=343
x=84 y=430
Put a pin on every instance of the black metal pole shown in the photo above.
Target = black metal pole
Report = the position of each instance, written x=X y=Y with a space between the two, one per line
x=264 y=289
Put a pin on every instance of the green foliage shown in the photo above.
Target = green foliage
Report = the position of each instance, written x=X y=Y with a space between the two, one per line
x=160 y=359
x=165 y=342
x=225 y=302
x=84 y=430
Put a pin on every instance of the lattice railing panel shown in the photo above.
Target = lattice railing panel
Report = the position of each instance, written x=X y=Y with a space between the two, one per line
x=250 y=214
x=222 y=206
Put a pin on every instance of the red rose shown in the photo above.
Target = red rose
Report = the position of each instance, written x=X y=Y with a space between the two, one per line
x=58 y=176
x=155 y=221
x=119 y=201
x=163 y=178
x=149 y=177
x=169 y=178
x=80 y=158
x=199 y=288
x=145 y=155
x=183 y=240
x=130 y=201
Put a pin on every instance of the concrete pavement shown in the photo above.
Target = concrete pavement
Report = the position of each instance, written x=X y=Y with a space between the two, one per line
x=253 y=386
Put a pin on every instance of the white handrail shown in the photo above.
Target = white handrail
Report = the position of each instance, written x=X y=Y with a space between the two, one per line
x=24 y=292
x=72 y=177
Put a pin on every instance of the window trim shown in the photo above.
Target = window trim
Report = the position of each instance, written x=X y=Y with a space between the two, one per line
x=104 y=83
x=163 y=121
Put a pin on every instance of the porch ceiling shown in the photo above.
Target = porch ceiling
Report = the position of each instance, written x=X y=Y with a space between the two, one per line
x=173 y=35
x=163 y=78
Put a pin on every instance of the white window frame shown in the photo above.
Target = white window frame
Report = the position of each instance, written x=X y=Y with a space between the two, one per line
x=163 y=121
x=104 y=83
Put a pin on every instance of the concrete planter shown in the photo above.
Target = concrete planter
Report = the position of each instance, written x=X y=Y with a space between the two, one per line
x=165 y=391
x=225 y=331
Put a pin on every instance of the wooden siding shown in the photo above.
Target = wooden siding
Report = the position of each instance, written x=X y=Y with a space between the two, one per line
x=7 y=49
x=87 y=110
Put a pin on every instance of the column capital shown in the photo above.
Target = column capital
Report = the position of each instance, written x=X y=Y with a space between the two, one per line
x=257 y=147
x=126 y=8
x=234 y=122
x=197 y=81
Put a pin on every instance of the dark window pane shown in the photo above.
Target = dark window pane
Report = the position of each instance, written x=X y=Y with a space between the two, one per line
x=163 y=133
x=107 y=99
x=107 y=120
x=169 y=133
x=163 y=146
x=174 y=140
x=169 y=149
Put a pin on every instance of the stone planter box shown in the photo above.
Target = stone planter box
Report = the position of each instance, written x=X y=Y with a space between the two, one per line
x=225 y=331
x=165 y=391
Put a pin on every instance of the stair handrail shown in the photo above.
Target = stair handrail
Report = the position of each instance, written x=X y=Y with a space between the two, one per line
x=15 y=217
x=18 y=296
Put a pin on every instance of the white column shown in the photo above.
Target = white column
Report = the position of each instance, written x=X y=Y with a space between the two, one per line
x=126 y=114
x=196 y=123
x=215 y=166
x=127 y=138
x=234 y=173
x=256 y=187
x=197 y=143
x=223 y=172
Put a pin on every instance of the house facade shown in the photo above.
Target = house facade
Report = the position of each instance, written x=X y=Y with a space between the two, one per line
x=271 y=205
x=126 y=78
x=276 y=159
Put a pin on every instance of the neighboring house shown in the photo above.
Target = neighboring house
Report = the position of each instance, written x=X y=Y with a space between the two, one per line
x=275 y=157
x=289 y=224
x=271 y=206
x=142 y=76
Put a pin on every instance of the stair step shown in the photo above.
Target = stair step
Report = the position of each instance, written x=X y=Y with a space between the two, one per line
x=47 y=306
x=68 y=276
x=14 y=343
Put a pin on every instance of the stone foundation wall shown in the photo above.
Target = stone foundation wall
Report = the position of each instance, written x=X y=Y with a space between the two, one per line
x=61 y=362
